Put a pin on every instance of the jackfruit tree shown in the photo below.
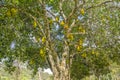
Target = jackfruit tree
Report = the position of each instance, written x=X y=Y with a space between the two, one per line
x=74 y=38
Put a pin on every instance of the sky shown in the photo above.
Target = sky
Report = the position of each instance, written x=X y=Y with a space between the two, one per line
x=48 y=71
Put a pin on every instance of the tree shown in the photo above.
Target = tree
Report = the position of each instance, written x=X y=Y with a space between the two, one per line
x=61 y=34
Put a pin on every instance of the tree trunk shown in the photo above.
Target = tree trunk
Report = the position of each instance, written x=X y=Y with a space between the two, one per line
x=39 y=74
x=63 y=75
x=58 y=65
x=61 y=68
x=17 y=71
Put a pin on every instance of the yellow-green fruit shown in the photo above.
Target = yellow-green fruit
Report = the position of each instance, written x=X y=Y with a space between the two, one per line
x=38 y=39
x=84 y=55
x=43 y=39
x=62 y=23
x=80 y=42
x=82 y=11
x=51 y=0
x=8 y=13
x=82 y=30
x=70 y=37
x=57 y=19
x=50 y=21
x=42 y=52
x=93 y=52
x=79 y=48
x=66 y=26
x=14 y=11
x=34 y=24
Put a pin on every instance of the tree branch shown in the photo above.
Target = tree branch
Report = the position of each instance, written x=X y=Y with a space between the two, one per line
x=52 y=55
x=61 y=10
x=51 y=13
x=74 y=10
x=34 y=18
x=99 y=5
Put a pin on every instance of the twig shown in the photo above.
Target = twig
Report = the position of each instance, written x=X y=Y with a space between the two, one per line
x=61 y=10
x=103 y=3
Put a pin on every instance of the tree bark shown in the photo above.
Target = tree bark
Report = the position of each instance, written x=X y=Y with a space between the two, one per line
x=63 y=66
x=58 y=65
x=39 y=74
x=60 y=70
x=63 y=74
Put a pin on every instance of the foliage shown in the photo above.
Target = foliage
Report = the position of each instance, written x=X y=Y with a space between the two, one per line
x=36 y=30
x=25 y=74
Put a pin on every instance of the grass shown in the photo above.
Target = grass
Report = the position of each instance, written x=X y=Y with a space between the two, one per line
x=26 y=74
